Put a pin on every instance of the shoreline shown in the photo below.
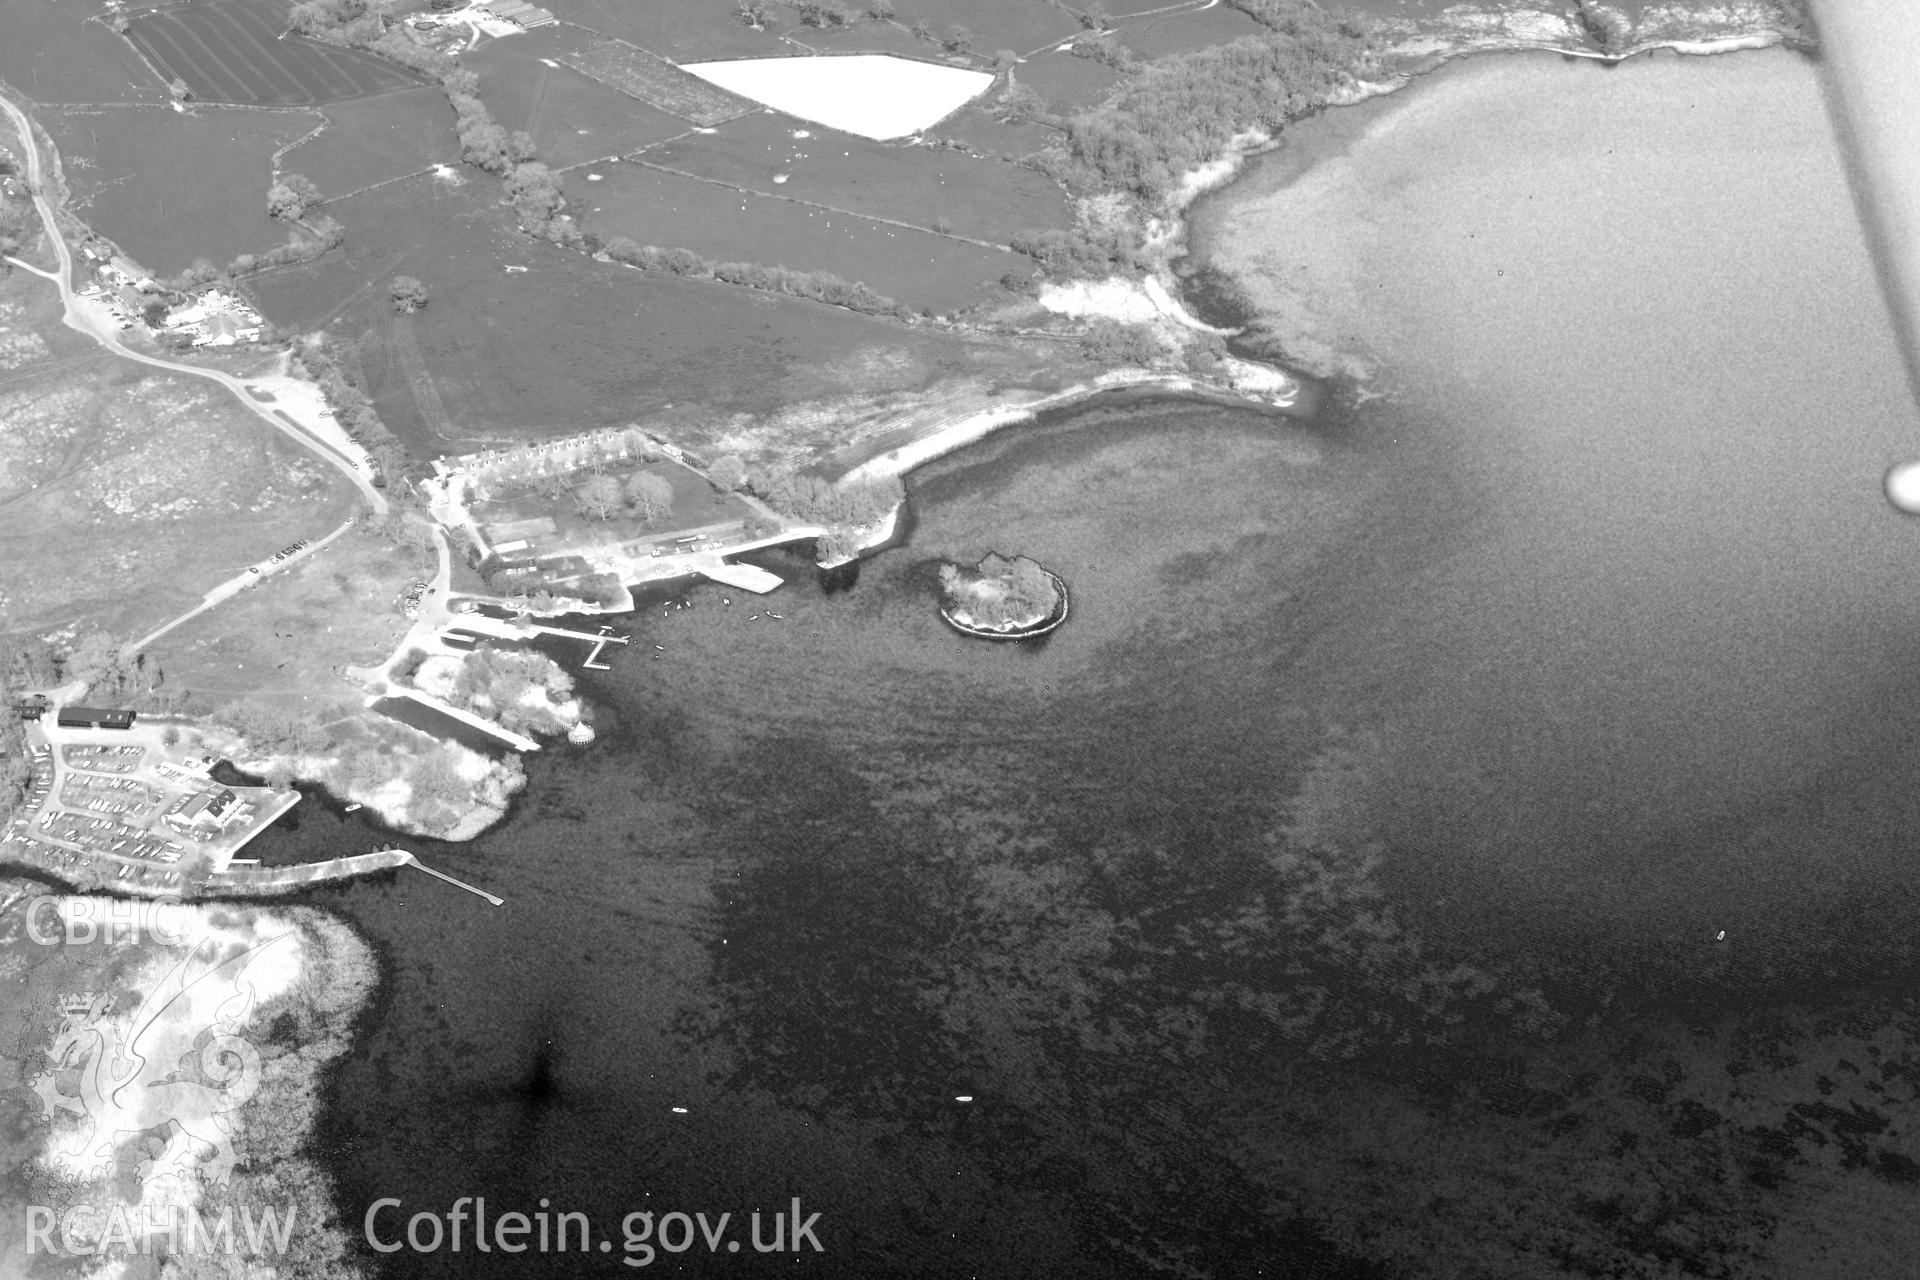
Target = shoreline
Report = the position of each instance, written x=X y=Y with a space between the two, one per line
x=1168 y=231
x=939 y=442
x=1216 y=182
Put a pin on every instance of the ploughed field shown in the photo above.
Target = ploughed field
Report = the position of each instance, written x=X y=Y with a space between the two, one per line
x=239 y=51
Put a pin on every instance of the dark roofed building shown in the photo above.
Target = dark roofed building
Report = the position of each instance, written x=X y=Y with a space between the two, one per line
x=94 y=718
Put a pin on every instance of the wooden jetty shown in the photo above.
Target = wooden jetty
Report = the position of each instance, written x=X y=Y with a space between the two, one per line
x=605 y=638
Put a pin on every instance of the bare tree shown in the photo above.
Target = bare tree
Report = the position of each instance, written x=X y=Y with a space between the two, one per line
x=651 y=496
x=600 y=497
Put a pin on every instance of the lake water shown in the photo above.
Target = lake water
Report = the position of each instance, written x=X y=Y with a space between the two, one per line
x=1643 y=665
x=547 y=1029
x=1375 y=750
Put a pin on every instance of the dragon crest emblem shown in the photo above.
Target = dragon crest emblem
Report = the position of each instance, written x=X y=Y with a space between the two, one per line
x=174 y=1070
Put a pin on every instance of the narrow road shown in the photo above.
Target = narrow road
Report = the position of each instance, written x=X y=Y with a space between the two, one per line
x=77 y=320
x=240 y=582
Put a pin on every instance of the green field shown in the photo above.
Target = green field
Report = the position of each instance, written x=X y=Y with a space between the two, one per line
x=377 y=139
x=677 y=30
x=917 y=268
x=1184 y=32
x=866 y=36
x=58 y=53
x=1066 y=82
x=168 y=186
x=571 y=343
x=239 y=51
x=1020 y=25
x=975 y=127
x=570 y=116
x=277 y=644
x=983 y=199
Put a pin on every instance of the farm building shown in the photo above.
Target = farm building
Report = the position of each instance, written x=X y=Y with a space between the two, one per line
x=223 y=331
x=520 y=13
x=94 y=718
x=215 y=319
x=129 y=271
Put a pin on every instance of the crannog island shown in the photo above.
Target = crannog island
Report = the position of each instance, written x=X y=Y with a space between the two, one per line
x=1002 y=599
x=397 y=640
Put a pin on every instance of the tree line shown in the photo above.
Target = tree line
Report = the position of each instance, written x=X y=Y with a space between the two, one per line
x=484 y=144
x=819 y=286
x=353 y=410
x=1174 y=114
x=321 y=235
x=812 y=499
x=845 y=510
x=1179 y=112
x=95 y=658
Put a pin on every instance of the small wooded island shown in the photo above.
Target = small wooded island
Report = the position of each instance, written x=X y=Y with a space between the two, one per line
x=1002 y=599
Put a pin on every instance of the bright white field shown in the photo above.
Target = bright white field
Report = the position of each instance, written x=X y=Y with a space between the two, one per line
x=870 y=94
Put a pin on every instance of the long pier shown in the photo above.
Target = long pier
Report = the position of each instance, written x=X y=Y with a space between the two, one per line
x=248 y=876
